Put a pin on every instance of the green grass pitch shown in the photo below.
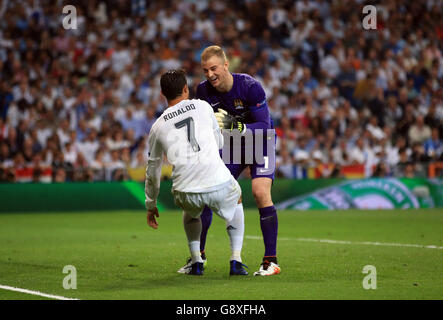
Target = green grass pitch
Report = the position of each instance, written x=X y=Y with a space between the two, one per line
x=117 y=256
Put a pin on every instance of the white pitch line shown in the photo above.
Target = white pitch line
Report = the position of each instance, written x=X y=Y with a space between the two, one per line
x=36 y=293
x=388 y=244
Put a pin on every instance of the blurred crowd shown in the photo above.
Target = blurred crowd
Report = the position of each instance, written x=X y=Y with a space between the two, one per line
x=77 y=104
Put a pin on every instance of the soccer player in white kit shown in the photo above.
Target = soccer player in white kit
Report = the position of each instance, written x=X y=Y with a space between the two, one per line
x=187 y=133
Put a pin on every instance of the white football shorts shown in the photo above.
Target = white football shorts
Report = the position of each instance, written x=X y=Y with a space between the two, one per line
x=222 y=201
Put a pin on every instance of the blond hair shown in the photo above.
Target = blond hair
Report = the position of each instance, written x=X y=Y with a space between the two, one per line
x=213 y=51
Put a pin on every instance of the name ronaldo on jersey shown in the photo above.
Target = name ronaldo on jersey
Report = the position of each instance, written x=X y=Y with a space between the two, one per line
x=178 y=112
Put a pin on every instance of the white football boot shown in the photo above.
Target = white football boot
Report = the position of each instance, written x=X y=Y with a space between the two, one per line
x=188 y=266
x=268 y=269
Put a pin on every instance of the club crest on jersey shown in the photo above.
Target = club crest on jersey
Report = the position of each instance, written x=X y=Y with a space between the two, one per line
x=238 y=104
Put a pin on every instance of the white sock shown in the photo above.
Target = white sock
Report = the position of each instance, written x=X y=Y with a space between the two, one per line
x=236 y=230
x=193 y=227
x=194 y=247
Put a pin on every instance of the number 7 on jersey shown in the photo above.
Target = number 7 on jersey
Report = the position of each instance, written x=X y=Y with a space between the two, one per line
x=190 y=128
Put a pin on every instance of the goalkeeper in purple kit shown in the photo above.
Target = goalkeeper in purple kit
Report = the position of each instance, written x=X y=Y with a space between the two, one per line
x=240 y=106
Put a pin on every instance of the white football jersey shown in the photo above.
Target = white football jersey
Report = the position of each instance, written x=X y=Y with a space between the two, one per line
x=188 y=134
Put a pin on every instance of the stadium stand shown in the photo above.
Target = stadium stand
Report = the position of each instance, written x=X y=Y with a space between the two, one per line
x=77 y=105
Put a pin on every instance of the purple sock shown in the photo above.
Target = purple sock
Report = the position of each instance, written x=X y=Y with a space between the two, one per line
x=206 y=218
x=269 y=229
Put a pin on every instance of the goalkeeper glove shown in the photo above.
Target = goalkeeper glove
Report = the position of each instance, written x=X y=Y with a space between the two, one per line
x=226 y=121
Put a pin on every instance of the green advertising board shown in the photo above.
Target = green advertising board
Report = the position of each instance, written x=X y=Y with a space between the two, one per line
x=380 y=193
x=375 y=193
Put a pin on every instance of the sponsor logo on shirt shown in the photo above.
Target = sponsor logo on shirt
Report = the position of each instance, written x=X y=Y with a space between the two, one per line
x=261 y=103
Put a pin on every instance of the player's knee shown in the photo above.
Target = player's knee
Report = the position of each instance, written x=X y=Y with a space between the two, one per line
x=190 y=218
x=262 y=196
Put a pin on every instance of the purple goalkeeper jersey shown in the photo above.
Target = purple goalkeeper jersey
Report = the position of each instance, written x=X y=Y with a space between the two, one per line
x=246 y=100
